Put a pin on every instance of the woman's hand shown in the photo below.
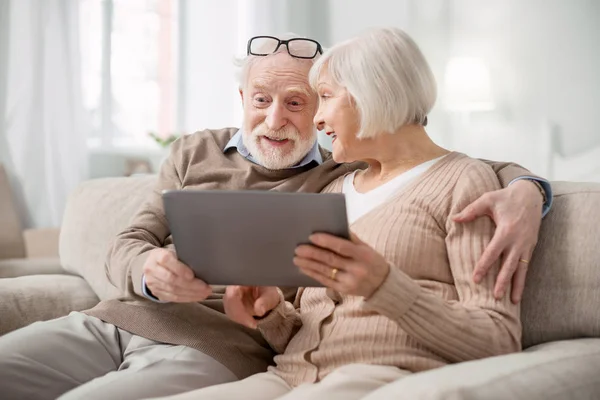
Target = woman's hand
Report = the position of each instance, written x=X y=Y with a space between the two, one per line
x=243 y=303
x=347 y=266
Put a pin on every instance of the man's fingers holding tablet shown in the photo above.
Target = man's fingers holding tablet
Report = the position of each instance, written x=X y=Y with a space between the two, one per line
x=237 y=305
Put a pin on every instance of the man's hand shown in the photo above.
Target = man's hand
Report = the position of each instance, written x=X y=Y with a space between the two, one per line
x=243 y=303
x=171 y=280
x=517 y=212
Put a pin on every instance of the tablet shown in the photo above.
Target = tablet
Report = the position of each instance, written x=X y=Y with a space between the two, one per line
x=249 y=237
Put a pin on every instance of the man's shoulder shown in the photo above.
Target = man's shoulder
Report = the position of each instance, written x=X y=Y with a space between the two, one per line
x=325 y=154
x=206 y=137
x=205 y=145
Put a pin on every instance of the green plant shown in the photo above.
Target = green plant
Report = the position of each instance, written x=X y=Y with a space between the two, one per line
x=164 y=141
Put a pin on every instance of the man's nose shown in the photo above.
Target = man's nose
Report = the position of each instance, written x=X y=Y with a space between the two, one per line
x=276 y=117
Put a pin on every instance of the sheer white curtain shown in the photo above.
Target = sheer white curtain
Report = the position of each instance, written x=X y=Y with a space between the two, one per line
x=43 y=126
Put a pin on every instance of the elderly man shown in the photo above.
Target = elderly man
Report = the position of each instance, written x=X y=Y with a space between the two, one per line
x=168 y=334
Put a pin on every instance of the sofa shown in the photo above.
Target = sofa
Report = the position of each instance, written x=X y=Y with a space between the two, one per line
x=33 y=249
x=560 y=307
x=29 y=254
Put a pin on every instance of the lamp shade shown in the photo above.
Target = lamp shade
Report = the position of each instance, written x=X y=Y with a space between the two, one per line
x=467 y=85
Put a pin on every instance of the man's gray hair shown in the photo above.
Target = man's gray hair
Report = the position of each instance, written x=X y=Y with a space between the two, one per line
x=244 y=64
x=387 y=77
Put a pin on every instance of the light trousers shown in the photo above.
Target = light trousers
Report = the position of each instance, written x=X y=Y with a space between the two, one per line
x=82 y=357
x=349 y=382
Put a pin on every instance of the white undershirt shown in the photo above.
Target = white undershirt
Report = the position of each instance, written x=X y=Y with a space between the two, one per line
x=359 y=204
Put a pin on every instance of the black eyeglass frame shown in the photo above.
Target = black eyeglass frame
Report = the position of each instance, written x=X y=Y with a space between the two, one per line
x=319 y=49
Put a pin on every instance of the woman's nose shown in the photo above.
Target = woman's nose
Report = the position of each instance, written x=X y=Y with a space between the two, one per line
x=318 y=121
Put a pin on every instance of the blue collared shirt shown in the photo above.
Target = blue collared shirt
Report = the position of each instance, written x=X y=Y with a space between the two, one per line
x=237 y=142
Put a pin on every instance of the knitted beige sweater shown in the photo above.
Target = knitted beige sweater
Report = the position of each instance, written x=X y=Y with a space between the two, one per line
x=198 y=161
x=428 y=312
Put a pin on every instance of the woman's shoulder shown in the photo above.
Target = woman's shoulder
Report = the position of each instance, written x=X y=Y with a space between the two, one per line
x=472 y=177
x=474 y=168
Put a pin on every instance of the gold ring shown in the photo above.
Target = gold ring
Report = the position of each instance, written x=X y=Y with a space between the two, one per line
x=334 y=272
x=524 y=261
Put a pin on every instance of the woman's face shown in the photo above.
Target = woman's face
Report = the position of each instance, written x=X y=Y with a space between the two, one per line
x=339 y=118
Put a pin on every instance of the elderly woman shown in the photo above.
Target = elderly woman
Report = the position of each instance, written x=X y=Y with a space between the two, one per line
x=399 y=295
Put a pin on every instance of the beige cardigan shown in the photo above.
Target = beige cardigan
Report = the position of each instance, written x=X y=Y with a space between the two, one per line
x=199 y=161
x=428 y=312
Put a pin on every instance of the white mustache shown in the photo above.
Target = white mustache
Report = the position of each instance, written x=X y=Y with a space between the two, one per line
x=287 y=132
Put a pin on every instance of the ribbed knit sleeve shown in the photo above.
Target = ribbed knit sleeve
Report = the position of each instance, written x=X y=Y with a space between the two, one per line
x=282 y=323
x=476 y=325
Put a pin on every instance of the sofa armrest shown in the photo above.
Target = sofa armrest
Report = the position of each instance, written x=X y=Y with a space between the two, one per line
x=86 y=237
x=15 y=267
x=41 y=242
x=28 y=299
x=11 y=233
x=551 y=371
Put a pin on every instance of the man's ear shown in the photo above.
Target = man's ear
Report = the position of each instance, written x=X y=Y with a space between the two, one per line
x=242 y=96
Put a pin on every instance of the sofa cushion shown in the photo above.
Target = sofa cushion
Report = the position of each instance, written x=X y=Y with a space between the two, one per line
x=96 y=212
x=562 y=293
x=551 y=371
x=28 y=299
x=41 y=242
x=15 y=267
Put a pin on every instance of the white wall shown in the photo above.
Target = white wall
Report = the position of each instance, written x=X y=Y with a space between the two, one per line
x=542 y=56
x=211 y=44
x=543 y=59
x=544 y=63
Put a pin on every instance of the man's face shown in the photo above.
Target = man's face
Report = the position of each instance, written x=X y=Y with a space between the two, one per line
x=279 y=107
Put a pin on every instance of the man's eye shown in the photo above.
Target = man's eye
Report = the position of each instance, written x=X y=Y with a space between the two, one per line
x=295 y=103
x=261 y=101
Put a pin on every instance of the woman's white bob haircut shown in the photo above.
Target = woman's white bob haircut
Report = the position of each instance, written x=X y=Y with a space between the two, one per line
x=387 y=77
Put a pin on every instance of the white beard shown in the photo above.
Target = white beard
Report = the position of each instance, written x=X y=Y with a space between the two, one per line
x=277 y=158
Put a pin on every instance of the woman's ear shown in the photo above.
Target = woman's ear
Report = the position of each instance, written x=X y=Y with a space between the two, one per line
x=351 y=100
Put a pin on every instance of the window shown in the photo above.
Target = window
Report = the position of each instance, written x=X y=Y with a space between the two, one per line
x=129 y=69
